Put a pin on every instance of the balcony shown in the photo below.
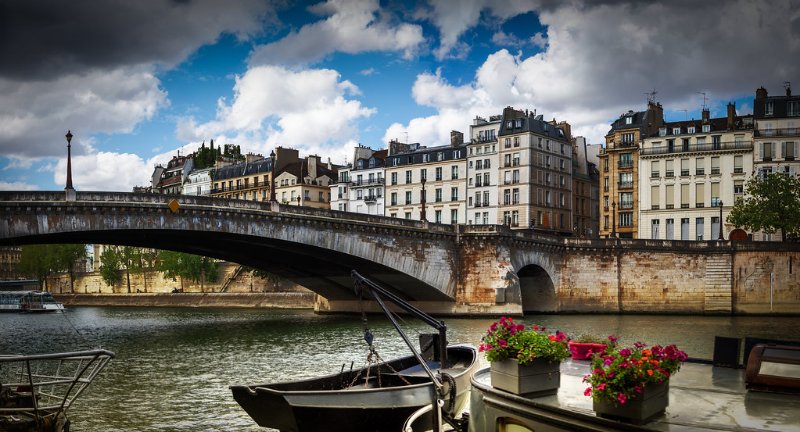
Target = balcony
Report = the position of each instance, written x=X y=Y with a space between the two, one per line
x=373 y=182
x=787 y=132
x=626 y=205
x=625 y=164
x=370 y=199
x=625 y=185
x=716 y=202
x=697 y=148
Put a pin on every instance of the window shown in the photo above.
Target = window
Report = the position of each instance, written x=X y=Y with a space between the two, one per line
x=699 y=195
x=515 y=159
x=625 y=160
x=515 y=196
x=426 y=157
x=626 y=219
x=440 y=156
x=453 y=216
x=507 y=142
x=408 y=197
x=360 y=194
x=507 y=160
x=629 y=120
x=506 y=218
x=438 y=216
x=625 y=180
x=507 y=197
x=737 y=164
x=690 y=130
x=685 y=195
x=478 y=164
x=408 y=215
x=670 y=231
x=684 y=228
x=715 y=199
x=454 y=194
x=684 y=167
x=423 y=174
x=662 y=131
x=793 y=108
x=487 y=164
x=515 y=176
x=485 y=218
x=676 y=131
x=699 y=228
x=438 y=173
x=626 y=200
x=669 y=172
x=788 y=151
x=438 y=194
x=768 y=109
x=394 y=178
x=706 y=128
x=477 y=199
x=654 y=169
x=700 y=167
x=766 y=151
x=486 y=198
x=486 y=181
x=321 y=198
x=654 y=229
x=715 y=165
x=519 y=123
x=654 y=197
x=515 y=218
x=408 y=177
x=669 y=196
x=685 y=144
x=516 y=141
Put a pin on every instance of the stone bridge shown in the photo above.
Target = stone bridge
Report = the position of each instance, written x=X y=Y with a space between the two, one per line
x=484 y=269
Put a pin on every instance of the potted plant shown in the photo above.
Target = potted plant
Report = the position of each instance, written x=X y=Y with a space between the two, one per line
x=584 y=346
x=632 y=384
x=524 y=361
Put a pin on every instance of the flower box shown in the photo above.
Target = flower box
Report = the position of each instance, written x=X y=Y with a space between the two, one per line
x=639 y=409
x=584 y=350
x=539 y=378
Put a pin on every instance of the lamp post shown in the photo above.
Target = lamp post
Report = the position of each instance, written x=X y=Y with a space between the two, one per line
x=272 y=178
x=614 y=219
x=721 y=237
x=69 y=161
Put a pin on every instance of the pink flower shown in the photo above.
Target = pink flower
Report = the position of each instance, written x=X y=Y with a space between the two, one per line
x=613 y=339
x=587 y=392
x=625 y=352
x=601 y=386
x=502 y=343
x=493 y=327
x=622 y=398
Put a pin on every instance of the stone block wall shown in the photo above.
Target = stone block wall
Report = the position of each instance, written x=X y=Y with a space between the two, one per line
x=751 y=282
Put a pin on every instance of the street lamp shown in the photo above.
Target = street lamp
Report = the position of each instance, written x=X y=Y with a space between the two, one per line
x=614 y=219
x=721 y=237
x=272 y=177
x=69 y=161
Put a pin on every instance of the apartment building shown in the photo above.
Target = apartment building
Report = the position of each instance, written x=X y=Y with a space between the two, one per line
x=168 y=180
x=776 y=138
x=535 y=173
x=585 y=191
x=251 y=179
x=619 y=169
x=360 y=187
x=198 y=182
x=483 y=162
x=306 y=183
x=690 y=173
x=427 y=183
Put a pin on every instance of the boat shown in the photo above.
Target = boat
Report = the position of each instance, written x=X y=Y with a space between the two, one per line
x=703 y=396
x=28 y=301
x=379 y=398
x=37 y=390
x=376 y=398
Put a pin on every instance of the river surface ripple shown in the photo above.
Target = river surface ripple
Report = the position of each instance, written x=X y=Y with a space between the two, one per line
x=174 y=365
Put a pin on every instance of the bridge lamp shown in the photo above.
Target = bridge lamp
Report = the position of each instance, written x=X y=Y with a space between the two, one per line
x=69 y=160
x=721 y=237
x=272 y=177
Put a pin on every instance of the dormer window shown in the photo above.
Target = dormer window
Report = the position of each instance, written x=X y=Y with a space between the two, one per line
x=360 y=164
x=706 y=128
x=628 y=120
x=690 y=130
x=662 y=132
x=519 y=123
x=768 y=111
x=676 y=131
x=510 y=124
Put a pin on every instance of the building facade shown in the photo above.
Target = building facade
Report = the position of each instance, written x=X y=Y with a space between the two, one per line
x=777 y=138
x=585 y=181
x=169 y=180
x=306 y=183
x=483 y=162
x=619 y=170
x=427 y=183
x=251 y=179
x=360 y=187
x=198 y=182
x=690 y=175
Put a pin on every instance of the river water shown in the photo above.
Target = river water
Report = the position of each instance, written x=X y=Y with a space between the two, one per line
x=174 y=366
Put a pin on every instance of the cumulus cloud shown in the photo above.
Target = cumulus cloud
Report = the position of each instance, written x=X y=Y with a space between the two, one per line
x=601 y=59
x=35 y=115
x=104 y=171
x=49 y=38
x=350 y=27
x=307 y=109
x=16 y=186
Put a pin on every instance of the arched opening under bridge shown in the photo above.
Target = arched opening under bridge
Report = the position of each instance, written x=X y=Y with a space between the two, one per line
x=537 y=290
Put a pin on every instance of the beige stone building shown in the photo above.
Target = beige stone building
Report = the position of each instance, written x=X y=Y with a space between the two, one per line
x=535 y=167
x=427 y=183
x=250 y=180
x=483 y=174
x=619 y=170
x=306 y=183
x=689 y=171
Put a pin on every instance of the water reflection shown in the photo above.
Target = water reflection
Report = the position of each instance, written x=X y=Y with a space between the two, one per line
x=174 y=366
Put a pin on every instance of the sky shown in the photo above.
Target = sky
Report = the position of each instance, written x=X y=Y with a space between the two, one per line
x=138 y=81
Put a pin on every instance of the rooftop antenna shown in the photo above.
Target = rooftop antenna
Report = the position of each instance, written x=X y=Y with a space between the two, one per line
x=704 y=99
x=651 y=96
x=406 y=132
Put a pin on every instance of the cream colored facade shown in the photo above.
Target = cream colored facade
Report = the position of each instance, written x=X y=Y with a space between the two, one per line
x=688 y=172
x=306 y=183
x=251 y=180
x=444 y=170
x=483 y=162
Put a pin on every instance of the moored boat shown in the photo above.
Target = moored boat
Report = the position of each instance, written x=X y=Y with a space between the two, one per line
x=37 y=390
x=28 y=301
x=378 y=398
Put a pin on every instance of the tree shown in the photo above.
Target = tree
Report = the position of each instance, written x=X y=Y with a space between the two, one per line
x=771 y=203
x=116 y=258
x=67 y=256
x=36 y=261
x=110 y=266
x=187 y=266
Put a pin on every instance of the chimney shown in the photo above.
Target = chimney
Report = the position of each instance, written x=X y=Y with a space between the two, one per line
x=761 y=93
x=706 y=115
x=788 y=90
x=731 y=115
x=456 y=138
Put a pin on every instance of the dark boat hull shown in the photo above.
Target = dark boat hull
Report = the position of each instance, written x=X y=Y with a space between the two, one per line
x=381 y=403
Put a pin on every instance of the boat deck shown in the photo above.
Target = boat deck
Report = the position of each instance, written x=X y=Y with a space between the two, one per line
x=701 y=398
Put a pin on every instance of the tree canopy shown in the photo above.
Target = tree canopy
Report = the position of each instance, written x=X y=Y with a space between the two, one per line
x=771 y=204
x=40 y=261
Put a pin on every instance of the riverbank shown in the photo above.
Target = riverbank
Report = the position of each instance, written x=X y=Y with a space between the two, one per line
x=271 y=300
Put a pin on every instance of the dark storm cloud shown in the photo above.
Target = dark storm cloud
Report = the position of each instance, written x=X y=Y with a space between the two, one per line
x=43 y=39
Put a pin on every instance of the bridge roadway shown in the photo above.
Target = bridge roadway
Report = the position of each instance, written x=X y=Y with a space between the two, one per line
x=444 y=269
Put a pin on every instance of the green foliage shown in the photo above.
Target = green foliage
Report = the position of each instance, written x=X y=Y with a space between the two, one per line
x=771 y=203
x=42 y=260
x=205 y=157
x=589 y=338
x=110 y=266
x=186 y=266
x=508 y=340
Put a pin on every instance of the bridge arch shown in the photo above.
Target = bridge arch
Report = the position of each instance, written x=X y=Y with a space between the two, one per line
x=539 y=271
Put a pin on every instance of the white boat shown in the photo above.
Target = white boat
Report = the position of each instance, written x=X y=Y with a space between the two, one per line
x=28 y=301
